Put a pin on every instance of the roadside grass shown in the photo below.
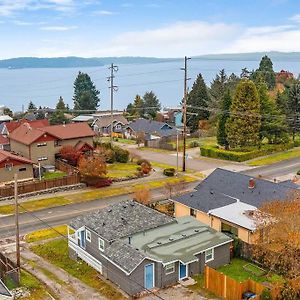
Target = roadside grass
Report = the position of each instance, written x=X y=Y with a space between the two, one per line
x=45 y=234
x=54 y=175
x=199 y=288
x=125 y=141
x=118 y=170
x=56 y=252
x=155 y=150
x=273 y=158
x=236 y=271
x=202 y=141
x=90 y=195
x=37 y=289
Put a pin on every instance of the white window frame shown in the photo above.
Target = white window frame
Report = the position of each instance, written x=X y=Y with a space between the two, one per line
x=88 y=235
x=8 y=167
x=41 y=158
x=101 y=244
x=41 y=144
x=169 y=268
x=212 y=255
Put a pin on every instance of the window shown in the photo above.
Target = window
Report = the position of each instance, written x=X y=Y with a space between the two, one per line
x=170 y=268
x=193 y=212
x=57 y=143
x=209 y=255
x=88 y=236
x=118 y=126
x=42 y=158
x=41 y=144
x=22 y=169
x=101 y=244
x=8 y=167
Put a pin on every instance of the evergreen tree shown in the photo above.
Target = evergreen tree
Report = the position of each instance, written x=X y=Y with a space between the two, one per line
x=243 y=125
x=266 y=71
x=281 y=101
x=31 y=106
x=232 y=82
x=246 y=73
x=40 y=114
x=198 y=97
x=58 y=117
x=293 y=109
x=86 y=96
x=138 y=106
x=223 y=117
x=130 y=108
x=7 y=111
x=151 y=104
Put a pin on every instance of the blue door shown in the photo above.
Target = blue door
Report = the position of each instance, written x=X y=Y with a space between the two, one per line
x=82 y=239
x=182 y=271
x=149 y=276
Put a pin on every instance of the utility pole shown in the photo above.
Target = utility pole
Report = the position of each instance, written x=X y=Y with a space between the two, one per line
x=184 y=112
x=113 y=88
x=17 y=223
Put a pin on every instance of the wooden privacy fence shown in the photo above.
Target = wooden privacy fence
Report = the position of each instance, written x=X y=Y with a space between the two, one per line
x=223 y=286
x=65 y=167
x=35 y=186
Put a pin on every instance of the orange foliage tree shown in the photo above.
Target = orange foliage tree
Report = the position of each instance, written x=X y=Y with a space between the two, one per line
x=94 y=166
x=70 y=154
x=142 y=195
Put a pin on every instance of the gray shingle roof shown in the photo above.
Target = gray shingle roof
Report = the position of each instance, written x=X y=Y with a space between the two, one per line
x=223 y=187
x=120 y=220
x=152 y=127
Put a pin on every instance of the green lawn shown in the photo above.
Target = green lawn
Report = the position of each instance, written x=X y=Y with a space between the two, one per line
x=126 y=141
x=202 y=141
x=56 y=252
x=45 y=234
x=118 y=170
x=105 y=192
x=236 y=271
x=275 y=158
x=54 y=175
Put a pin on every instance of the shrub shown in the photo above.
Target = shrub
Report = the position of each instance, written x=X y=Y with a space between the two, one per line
x=266 y=295
x=96 y=181
x=194 y=144
x=140 y=161
x=146 y=167
x=169 y=172
x=121 y=155
x=107 y=153
x=70 y=154
x=298 y=172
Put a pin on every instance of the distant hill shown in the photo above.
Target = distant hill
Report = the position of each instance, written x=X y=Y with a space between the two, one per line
x=73 y=61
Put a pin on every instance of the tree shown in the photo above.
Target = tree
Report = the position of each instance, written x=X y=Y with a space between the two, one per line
x=7 y=111
x=70 y=154
x=130 y=108
x=246 y=73
x=40 y=114
x=138 y=106
x=293 y=109
x=198 y=99
x=277 y=245
x=223 y=117
x=94 y=166
x=58 y=117
x=86 y=96
x=31 y=106
x=142 y=195
x=266 y=71
x=232 y=82
x=151 y=104
x=243 y=125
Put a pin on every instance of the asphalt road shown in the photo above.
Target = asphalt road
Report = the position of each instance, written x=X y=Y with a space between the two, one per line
x=276 y=170
x=62 y=214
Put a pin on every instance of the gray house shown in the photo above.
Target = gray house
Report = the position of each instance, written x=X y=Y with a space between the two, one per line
x=139 y=248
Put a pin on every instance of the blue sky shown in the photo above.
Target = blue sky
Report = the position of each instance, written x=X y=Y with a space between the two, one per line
x=165 y=28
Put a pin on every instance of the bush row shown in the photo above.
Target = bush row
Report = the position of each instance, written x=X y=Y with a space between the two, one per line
x=169 y=172
x=239 y=155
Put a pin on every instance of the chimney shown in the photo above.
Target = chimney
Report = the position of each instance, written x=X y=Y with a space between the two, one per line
x=251 y=184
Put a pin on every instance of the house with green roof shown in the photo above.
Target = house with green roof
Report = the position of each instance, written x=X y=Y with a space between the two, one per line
x=139 y=248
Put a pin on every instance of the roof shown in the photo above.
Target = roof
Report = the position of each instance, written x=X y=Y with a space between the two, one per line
x=11 y=126
x=152 y=127
x=26 y=134
x=223 y=187
x=4 y=140
x=105 y=120
x=70 y=131
x=4 y=155
x=83 y=118
x=180 y=240
x=120 y=220
x=237 y=213
x=80 y=145
x=4 y=290
x=5 y=118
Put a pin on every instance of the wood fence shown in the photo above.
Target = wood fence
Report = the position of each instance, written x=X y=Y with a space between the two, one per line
x=230 y=289
x=65 y=167
x=35 y=186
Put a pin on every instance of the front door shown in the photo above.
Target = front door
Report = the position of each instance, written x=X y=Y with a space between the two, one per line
x=149 y=276
x=82 y=239
x=182 y=271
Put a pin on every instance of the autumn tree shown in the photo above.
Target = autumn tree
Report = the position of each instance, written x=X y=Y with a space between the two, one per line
x=277 y=245
x=142 y=195
x=70 y=154
x=243 y=125
x=94 y=166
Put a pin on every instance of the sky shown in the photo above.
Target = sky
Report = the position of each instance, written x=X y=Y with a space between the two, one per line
x=165 y=28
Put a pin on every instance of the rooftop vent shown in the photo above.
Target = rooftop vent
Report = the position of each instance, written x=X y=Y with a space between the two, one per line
x=191 y=195
x=211 y=192
x=251 y=184
x=196 y=230
x=158 y=243
x=124 y=206
x=184 y=235
x=132 y=204
x=171 y=239
x=109 y=210
x=103 y=224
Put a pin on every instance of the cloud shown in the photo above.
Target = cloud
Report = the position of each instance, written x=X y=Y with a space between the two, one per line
x=295 y=18
x=58 y=28
x=104 y=12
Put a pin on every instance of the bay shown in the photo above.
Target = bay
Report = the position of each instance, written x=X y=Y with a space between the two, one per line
x=165 y=79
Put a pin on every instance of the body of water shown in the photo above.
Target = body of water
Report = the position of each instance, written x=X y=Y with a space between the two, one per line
x=44 y=86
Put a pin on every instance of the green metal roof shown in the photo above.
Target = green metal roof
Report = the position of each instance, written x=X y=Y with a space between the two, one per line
x=180 y=240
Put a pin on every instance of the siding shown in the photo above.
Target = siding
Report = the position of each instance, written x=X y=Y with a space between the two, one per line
x=19 y=148
x=6 y=175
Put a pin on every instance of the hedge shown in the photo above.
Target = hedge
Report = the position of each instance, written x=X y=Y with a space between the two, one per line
x=240 y=156
x=169 y=172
